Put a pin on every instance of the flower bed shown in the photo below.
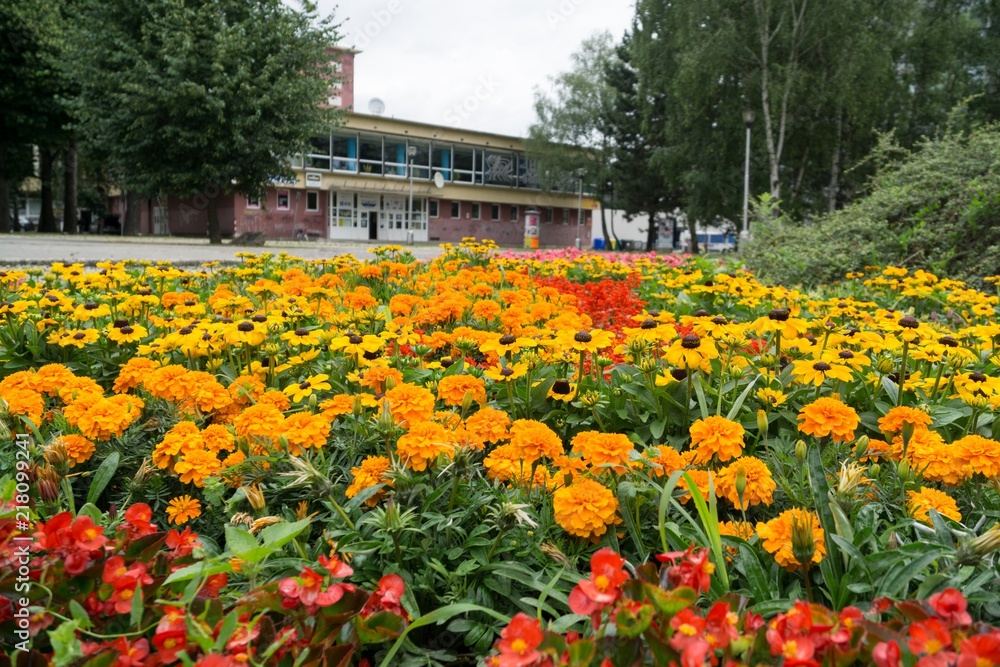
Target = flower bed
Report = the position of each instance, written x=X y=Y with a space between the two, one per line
x=386 y=461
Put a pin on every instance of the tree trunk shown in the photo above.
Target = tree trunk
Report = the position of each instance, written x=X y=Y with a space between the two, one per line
x=47 y=217
x=604 y=227
x=651 y=229
x=4 y=191
x=693 y=231
x=214 y=232
x=133 y=214
x=835 y=166
x=69 y=189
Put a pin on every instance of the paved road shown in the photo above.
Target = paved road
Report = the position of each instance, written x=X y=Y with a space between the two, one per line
x=33 y=248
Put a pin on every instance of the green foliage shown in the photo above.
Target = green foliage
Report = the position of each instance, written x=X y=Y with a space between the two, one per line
x=935 y=208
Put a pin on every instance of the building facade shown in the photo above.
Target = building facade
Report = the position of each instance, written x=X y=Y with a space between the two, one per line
x=395 y=181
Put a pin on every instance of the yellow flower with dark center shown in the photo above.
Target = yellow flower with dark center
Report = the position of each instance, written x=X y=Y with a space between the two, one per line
x=585 y=341
x=91 y=311
x=920 y=503
x=772 y=398
x=691 y=352
x=182 y=509
x=246 y=332
x=305 y=389
x=827 y=416
x=506 y=372
x=585 y=508
x=815 y=371
x=357 y=345
x=760 y=485
x=126 y=333
x=302 y=336
x=505 y=344
x=776 y=537
x=716 y=436
x=73 y=338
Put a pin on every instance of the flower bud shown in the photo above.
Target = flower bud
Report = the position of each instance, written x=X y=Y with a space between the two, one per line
x=55 y=454
x=875 y=469
x=142 y=474
x=886 y=365
x=390 y=383
x=986 y=543
x=467 y=400
x=255 y=496
x=903 y=470
x=907 y=433
x=741 y=484
x=47 y=480
x=762 y=422
x=861 y=448
x=800 y=451
x=803 y=541
x=312 y=402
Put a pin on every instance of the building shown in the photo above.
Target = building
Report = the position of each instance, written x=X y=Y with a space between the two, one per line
x=385 y=179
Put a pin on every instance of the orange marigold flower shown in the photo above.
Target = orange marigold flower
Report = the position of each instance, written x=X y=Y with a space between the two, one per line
x=25 y=402
x=106 y=418
x=305 y=431
x=197 y=465
x=488 y=425
x=920 y=503
x=760 y=485
x=452 y=389
x=936 y=461
x=597 y=449
x=666 y=457
x=585 y=508
x=51 y=378
x=78 y=448
x=776 y=537
x=262 y=420
x=506 y=463
x=828 y=416
x=422 y=445
x=133 y=373
x=165 y=382
x=978 y=454
x=892 y=422
x=182 y=509
x=535 y=440
x=246 y=389
x=371 y=472
x=716 y=436
x=182 y=437
x=218 y=438
x=410 y=404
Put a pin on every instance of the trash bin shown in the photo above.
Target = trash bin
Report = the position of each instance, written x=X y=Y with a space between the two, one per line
x=598 y=243
x=409 y=237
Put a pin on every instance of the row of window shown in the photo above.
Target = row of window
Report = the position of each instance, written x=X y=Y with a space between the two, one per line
x=389 y=155
x=513 y=212
x=284 y=201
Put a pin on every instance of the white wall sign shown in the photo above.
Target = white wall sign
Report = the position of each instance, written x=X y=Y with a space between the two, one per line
x=314 y=180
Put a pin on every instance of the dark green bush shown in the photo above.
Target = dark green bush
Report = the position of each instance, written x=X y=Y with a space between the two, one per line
x=936 y=208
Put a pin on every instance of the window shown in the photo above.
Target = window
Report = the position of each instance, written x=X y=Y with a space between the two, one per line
x=371 y=154
x=475 y=211
x=421 y=160
x=253 y=202
x=456 y=210
x=319 y=153
x=548 y=215
x=565 y=216
x=494 y=212
x=312 y=201
x=345 y=152
x=464 y=164
x=514 y=214
x=433 y=210
x=283 y=200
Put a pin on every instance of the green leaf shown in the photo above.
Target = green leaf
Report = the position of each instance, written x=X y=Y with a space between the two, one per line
x=893 y=583
x=226 y=631
x=439 y=616
x=282 y=533
x=239 y=541
x=731 y=416
x=90 y=509
x=66 y=647
x=79 y=614
x=105 y=473
x=135 y=614
x=821 y=499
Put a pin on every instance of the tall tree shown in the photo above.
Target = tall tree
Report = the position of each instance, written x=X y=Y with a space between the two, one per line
x=570 y=132
x=201 y=97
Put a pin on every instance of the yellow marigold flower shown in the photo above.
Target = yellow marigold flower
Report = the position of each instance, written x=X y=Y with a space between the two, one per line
x=535 y=440
x=828 y=416
x=921 y=502
x=196 y=466
x=182 y=509
x=422 y=444
x=716 y=436
x=78 y=448
x=892 y=422
x=981 y=455
x=217 y=438
x=246 y=389
x=760 y=485
x=776 y=537
x=488 y=425
x=597 y=449
x=741 y=529
x=585 y=508
x=453 y=388
x=371 y=472
x=410 y=404
x=106 y=419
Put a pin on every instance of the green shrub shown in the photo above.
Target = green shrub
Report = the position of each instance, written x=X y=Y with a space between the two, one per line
x=936 y=208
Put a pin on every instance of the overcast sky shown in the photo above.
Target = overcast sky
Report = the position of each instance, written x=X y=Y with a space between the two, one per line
x=467 y=63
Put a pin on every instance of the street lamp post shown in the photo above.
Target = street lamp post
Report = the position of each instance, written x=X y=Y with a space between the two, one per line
x=579 y=210
x=411 y=152
x=748 y=116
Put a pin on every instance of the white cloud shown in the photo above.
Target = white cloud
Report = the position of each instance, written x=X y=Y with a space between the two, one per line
x=468 y=63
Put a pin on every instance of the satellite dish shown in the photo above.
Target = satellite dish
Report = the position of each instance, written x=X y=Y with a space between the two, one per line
x=438 y=180
x=376 y=106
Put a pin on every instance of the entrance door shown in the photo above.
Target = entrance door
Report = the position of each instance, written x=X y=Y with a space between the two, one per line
x=372 y=226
